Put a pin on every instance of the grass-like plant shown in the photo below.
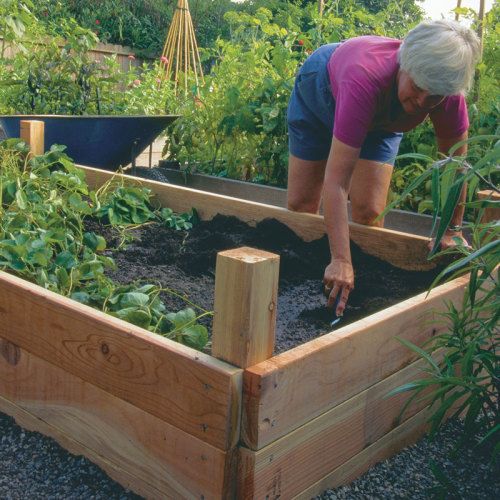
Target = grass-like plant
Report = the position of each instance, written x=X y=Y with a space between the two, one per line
x=466 y=381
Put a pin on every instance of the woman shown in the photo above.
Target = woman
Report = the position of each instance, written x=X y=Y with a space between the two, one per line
x=350 y=105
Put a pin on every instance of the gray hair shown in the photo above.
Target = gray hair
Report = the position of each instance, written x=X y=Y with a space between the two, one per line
x=440 y=56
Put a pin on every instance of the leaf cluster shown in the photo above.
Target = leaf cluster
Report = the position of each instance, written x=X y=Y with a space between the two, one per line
x=467 y=380
x=45 y=74
x=44 y=205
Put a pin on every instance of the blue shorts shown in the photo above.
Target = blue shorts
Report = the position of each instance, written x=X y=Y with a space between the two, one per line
x=311 y=112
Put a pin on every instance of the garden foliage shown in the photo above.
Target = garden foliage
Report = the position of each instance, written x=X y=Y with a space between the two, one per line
x=45 y=207
x=234 y=123
x=466 y=381
x=59 y=75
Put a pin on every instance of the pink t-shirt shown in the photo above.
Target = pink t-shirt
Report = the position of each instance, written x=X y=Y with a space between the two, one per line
x=362 y=74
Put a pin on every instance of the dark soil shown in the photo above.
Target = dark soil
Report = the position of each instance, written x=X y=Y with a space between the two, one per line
x=185 y=262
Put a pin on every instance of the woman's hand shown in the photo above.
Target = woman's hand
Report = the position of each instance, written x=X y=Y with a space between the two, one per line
x=449 y=240
x=338 y=278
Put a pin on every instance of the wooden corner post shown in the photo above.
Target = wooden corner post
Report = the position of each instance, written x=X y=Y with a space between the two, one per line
x=491 y=213
x=33 y=133
x=246 y=292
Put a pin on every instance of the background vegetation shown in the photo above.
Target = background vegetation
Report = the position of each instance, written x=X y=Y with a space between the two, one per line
x=234 y=123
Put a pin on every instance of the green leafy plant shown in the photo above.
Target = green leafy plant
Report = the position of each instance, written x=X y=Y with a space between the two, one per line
x=47 y=74
x=15 y=18
x=126 y=205
x=237 y=126
x=178 y=221
x=467 y=380
x=44 y=203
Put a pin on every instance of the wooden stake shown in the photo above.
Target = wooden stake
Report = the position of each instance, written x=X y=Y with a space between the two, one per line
x=32 y=132
x=490 y=214
x=187 y=50
x=181 y=45
x=321 y=7
x=246 y=291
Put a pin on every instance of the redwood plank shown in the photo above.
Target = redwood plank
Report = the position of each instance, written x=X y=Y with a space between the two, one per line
x=246 y=291
x=490 y=214
x=288 y=390
x=186 y=388
x=32 y=423
x=400 y=249
x=307 y=454
x=32 y=132
x=139 y=450
x=402 y=436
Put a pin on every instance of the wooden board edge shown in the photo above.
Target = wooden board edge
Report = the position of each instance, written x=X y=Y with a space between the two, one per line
x=490 y=214
x=328 y=440
x=328 y=340
x=402 y=436
x=32 y=423
x=94 y=315
x=403 y=250
x=115 y=431
x=268 y=401
x=217 y=383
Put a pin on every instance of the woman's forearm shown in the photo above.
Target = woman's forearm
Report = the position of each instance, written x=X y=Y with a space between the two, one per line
x=338 y=175
x=337 y=222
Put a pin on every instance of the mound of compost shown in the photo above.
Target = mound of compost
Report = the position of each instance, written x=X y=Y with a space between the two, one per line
x=184 y=261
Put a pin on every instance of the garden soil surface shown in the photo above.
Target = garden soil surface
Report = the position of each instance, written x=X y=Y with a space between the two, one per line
x=184 y=261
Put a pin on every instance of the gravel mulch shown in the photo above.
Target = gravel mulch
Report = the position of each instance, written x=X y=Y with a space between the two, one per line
x=34 y=466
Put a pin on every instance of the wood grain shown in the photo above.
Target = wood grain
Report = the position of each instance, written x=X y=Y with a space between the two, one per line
x=307 y=454
x=400 y=249
x=490 y=214
x=32 y=132
x=139 y=450
x=246 y=297
x=188 y=389
x=402 y=436
x=283 y=393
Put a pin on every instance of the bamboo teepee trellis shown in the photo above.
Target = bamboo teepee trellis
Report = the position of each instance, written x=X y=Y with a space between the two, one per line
x=180 y=54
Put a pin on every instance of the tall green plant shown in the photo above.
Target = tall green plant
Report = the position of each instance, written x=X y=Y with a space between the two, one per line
x=237 y=127
x=467 y=380
x=15 y=17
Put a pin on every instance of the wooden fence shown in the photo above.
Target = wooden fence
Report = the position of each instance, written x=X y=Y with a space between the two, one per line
x=101 y=51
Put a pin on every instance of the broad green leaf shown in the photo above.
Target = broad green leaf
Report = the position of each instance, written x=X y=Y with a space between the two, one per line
x=182 y=318
x=135 y=316
x=146 y=288
x=449 y=208
x=195 y=336
x=65 y=259
x=436 y=197
x=82 y=297
x=133 y=299
x=95 y=242
x=21 y=200
x=62 y=277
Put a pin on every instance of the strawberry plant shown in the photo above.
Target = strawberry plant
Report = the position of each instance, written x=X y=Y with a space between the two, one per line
x=44 y=203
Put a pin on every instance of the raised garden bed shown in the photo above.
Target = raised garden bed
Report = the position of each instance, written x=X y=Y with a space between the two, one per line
x=170 y=422
x=399 y=220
